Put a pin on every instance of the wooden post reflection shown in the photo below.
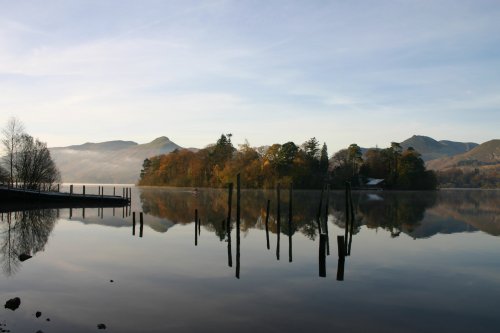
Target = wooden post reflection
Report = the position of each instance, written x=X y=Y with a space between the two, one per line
x=267 y=223
x=228 y=225
x=133 y=224
x=238 y=213
x=341 y=262
x=347 y=214
x=83 y=213
x=290 y=194
x=326 y=219
x=278 y=222
x=351 y=227
x=141 y=224
x=318 y=216
x=322 y=255
x=196 y=227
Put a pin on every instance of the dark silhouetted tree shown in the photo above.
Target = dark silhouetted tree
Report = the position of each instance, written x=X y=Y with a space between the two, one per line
x=33 y=165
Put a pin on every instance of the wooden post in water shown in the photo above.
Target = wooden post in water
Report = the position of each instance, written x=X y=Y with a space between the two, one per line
x=133 y=224
x=278 y=221
x=83 y=190
x=290 y=205
x=83 y=213
x=114 y=191
x=228 y=225
x=71 y=189
x=141 y=222
x=58 y=188
x=102 y=212
x=238 y=213
x=196 y=227
x=322 y=255
x=123 y=192
x=70 y=213
x=267 y=223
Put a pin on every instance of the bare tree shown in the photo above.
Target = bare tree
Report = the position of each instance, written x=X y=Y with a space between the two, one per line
x=4 y=175
x=11 y=138
x=33 y=165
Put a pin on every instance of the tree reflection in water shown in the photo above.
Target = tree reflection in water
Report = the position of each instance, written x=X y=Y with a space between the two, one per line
x=24 y=232
x=393 y=211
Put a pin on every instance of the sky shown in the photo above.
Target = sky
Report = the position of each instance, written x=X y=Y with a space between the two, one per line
x=365 y=72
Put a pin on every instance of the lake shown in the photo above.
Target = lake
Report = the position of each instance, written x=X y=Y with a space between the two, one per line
x=416 y=262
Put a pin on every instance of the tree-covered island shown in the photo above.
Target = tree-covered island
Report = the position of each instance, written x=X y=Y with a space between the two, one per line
x=308 y=166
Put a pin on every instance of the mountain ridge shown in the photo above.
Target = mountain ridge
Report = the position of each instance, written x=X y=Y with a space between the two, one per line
x=485 y=155
x=115 y=161
x=431 y=149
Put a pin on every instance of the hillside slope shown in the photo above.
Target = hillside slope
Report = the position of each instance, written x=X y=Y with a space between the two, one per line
x=432 y=149
x=107 y=162
x=486 y=155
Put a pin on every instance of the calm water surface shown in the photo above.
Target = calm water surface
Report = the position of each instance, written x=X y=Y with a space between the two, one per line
x=419 y=262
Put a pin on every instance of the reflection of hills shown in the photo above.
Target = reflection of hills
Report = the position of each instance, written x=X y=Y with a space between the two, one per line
x=434 y=224
x=117 y=221
x=480 y=209
x=424 y=214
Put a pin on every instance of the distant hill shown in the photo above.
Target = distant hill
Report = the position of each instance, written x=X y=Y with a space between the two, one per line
x=484 y=156
x=432 y=149
x=107 y=162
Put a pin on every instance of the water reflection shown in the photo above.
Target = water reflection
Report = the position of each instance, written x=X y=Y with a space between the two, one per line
x=24 y=233
x=161 y=283
x=418 y=214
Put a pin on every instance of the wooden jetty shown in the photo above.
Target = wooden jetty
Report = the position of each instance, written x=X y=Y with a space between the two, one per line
x=22 y=197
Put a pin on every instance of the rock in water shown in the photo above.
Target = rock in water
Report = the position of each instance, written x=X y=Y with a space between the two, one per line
x=13 y=303
x=24 y=257
x=101 y=326
x=38 y=314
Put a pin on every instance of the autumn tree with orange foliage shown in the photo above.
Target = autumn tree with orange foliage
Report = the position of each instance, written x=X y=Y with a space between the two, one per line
x=218 y=164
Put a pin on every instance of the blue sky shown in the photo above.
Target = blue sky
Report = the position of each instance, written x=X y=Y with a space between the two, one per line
x=368 y=72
